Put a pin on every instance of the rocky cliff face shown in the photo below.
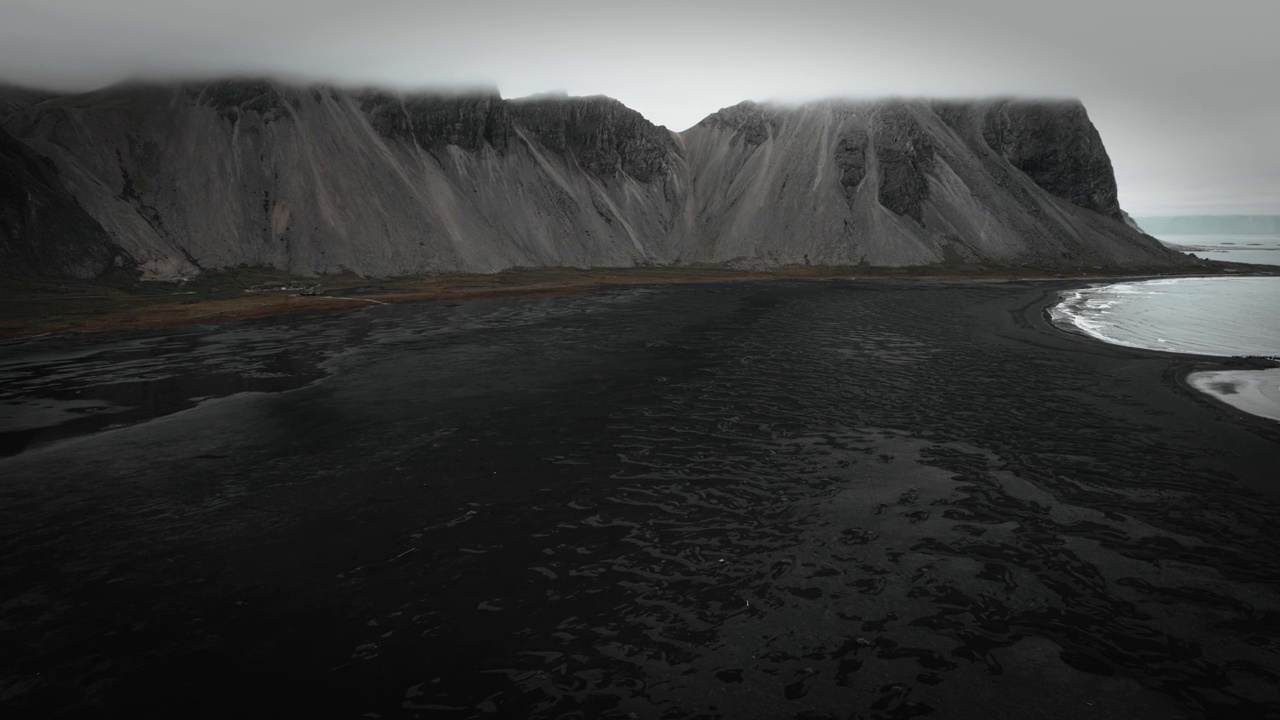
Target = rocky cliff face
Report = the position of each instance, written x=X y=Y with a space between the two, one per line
x=43 y=230
x=314 y=180
x=1056 y=146
x=181 y=178
x=906 y=183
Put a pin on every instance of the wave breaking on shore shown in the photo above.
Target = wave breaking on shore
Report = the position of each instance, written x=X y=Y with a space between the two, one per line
x=1218 y=317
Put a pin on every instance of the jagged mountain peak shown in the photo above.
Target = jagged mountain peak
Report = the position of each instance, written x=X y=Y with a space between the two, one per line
x=317 y=178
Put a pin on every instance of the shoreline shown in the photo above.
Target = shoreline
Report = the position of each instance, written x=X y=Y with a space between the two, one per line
x=1038 y=313
x=1253 y=392
x=1182 y=368
x=35 y=309
x=1234 y=383
x=955 y=500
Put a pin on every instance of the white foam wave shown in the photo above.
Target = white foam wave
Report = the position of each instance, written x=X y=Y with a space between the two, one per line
x=1202 y=316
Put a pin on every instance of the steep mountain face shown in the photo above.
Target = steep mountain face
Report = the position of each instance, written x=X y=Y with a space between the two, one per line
x=43 y=230
x=318 y=180
x=906 y=183
x=1056 y=146
x=14 y=98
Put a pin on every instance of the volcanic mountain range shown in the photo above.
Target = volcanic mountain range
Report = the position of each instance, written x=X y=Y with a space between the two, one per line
x=173 y=179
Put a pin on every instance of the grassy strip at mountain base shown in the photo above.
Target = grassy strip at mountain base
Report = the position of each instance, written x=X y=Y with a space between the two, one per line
x=37 y=307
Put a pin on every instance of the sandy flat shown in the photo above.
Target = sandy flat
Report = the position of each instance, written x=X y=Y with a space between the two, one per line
x=722 y=500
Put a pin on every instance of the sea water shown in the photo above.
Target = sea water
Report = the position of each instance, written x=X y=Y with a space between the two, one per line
x=1256 y=249
x=1219 y=316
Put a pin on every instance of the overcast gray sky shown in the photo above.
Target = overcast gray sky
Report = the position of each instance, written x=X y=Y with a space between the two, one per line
x=1186 y=95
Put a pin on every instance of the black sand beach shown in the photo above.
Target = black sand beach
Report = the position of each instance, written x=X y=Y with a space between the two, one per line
x=825 y=499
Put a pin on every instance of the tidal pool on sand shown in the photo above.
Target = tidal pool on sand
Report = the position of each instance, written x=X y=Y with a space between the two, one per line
x=784 y=499
x=1254 y=391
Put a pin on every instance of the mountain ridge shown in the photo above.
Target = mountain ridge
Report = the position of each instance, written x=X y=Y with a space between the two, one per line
x=185 y=177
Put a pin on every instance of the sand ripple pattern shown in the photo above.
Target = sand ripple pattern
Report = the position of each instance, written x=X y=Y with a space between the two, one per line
x=808 y=500
x=823 y=506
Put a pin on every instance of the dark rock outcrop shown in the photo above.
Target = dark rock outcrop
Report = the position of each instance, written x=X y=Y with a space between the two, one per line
x=851 y=161
x=905 y=157
x=231 y=98
x=43 y=230
x=437 y=121
x=751 y=122
x=1055 y=145
x=602 y=134
x=15 y=98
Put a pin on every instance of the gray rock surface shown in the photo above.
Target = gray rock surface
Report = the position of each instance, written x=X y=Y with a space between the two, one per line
x=43 y=230
x=186 y=177
x=905 y=183
x=1057 y=146
x=14 y=98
